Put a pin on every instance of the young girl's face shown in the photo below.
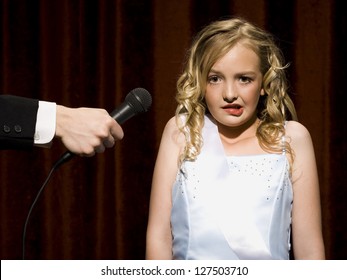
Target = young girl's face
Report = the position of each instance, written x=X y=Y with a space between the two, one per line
x=234 y=87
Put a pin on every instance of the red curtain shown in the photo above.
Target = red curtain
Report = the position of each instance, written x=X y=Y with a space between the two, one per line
x=91 y=54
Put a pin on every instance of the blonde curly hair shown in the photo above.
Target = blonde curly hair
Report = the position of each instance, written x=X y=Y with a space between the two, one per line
x=212 y=43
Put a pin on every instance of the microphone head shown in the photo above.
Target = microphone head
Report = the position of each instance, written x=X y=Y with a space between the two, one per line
x=139 y=99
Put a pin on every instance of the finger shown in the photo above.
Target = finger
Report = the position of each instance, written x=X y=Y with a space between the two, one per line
x=109 y=141
x=88 y=154
x=99 y=149
x=117 y=131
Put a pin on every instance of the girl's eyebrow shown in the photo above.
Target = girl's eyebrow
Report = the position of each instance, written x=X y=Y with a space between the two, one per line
x=241 y=73
x=215 y=72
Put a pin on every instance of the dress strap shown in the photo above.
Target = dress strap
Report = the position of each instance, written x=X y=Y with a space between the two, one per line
x=284 y=139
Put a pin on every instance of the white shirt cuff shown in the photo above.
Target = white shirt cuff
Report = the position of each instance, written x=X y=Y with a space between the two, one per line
x=45 y=123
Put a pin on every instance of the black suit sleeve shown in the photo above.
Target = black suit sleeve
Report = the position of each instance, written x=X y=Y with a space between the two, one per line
x=17 y=121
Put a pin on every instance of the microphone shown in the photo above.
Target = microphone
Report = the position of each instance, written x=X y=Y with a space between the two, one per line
x=136 y=102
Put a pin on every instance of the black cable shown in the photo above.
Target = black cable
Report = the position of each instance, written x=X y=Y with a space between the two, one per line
x=64 y=158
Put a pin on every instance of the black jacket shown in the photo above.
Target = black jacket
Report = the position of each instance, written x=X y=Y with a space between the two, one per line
x=17 y=121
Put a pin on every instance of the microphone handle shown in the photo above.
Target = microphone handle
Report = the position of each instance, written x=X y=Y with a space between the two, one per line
x=123 y=113
x=64 y=158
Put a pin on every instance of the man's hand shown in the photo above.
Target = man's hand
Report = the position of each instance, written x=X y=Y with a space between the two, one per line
x=86 y=131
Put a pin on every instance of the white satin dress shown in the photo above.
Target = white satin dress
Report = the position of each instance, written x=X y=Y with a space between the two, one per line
x=236 y=207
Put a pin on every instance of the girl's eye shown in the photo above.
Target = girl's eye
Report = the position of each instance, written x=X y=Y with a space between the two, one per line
x=245 y=79
x=213 y=79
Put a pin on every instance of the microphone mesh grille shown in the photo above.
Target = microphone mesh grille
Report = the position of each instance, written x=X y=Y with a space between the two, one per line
x=140 y=99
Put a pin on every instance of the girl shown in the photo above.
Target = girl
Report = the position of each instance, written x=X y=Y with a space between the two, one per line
x=235 y=175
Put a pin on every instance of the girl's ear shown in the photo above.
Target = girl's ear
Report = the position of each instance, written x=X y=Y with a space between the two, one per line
x=262 y=92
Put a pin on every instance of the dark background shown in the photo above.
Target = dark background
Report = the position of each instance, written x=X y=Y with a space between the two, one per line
x=91 y=54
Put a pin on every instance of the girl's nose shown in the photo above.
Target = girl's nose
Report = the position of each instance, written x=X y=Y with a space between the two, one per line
x=229 y=94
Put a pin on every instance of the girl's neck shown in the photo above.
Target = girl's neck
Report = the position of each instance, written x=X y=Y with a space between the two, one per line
x=240 y=140
x=244 y=131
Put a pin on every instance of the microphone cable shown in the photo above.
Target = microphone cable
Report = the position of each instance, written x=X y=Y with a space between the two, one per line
x=64 y=158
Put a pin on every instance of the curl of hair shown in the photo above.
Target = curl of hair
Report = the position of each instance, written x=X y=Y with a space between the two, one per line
x=276 y=107
x=212 y=43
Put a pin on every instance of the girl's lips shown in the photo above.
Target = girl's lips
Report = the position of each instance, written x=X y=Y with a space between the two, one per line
x=234 y=110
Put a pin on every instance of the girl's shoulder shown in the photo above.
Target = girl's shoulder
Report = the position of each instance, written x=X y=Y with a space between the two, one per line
x=171 y=126
x=172 y=133
x=297 y=132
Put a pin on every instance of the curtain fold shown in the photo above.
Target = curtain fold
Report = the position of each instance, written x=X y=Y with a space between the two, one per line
x=91 y=54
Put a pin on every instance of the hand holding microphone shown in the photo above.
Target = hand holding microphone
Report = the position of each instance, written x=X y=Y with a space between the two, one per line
x=93 y=129
x=86 y=131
